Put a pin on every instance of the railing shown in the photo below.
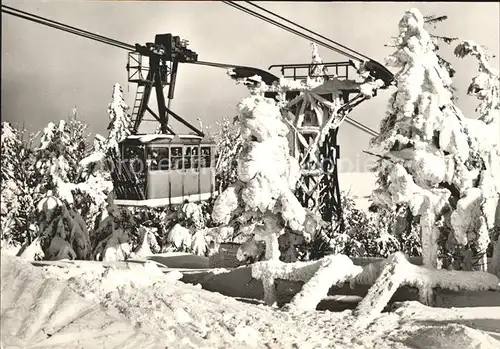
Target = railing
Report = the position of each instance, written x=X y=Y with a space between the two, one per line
x=302 y=71
x=136 y=68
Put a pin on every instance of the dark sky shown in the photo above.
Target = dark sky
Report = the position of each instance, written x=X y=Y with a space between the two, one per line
x=45 y=72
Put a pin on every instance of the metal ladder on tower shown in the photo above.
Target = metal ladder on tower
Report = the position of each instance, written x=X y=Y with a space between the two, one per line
x=137 y=102
x=141 y=102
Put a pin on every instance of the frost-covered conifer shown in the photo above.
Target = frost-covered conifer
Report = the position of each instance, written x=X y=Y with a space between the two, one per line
x=19 y=192
x=485 y=139
x=120 y=122
x=433 y=162
x=229 y=145
x=318 y=71
x=11 y=146
x=112 y=235
x=266 y=176
x=63 y=231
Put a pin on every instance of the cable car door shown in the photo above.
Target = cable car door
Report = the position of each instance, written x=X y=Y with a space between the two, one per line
x=191 y=172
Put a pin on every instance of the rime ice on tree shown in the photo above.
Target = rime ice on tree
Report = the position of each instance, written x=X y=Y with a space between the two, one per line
x=62 y=231
x=120 y=124
x=115 y=224
x=266 y=176
x=435 y=164
x=485 y=139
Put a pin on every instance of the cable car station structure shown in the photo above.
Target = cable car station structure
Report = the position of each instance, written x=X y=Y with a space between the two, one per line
x=180 y=167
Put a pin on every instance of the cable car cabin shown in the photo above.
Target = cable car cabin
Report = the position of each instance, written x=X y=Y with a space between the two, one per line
x=160 y=170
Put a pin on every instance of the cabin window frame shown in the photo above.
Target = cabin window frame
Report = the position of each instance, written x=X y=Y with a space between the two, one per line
x=129 y=161
x=197 y=158
x=186 y=156
x=191 y=161
x=176 y=160
x=160 y=165
x=206 y=159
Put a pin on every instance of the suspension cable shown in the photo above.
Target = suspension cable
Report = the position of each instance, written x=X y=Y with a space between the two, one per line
x=291 y=30
x=361 y=126
x=67 y=28
x=306 y=29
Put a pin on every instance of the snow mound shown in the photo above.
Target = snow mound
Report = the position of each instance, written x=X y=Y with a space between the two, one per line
x=194 y=318
x=40 y=312
x=450 y=336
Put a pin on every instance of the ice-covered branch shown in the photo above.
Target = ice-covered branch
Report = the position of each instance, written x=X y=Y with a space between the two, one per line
x=397 y=271
x=319 y=276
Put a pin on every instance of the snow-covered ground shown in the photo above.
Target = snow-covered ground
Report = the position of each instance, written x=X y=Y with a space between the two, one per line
x=144 y=301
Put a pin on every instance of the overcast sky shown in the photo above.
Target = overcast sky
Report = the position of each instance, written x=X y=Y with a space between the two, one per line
x=46 y=72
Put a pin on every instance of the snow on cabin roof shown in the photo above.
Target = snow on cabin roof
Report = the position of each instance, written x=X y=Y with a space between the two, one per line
x=149 y=137
x=190 y=136
x=161 y=138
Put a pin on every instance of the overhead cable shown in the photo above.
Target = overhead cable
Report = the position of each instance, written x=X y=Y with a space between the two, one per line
x=287 y=28
x=306 y=29
x=67 y=28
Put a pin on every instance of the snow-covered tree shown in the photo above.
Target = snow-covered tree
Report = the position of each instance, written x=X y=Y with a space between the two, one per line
x=433 y=20
x=486 y=85
x=229 y=145
x=432 y=161
x=120 y=125
x=62 y=230
x=18 y=194
x=266 y=176
x=10 y=165
x=318 y=70
x=10 y=146
x=485 y=138
x=108 y=230
x=98 y=165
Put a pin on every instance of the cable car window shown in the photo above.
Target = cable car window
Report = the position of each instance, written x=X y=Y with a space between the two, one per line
x=205 y=157
x=195 y=157
x=158 y=159
x=134 y=157
x=164 y=159
x=176 y=153
x=187 y=158
x=152 y=158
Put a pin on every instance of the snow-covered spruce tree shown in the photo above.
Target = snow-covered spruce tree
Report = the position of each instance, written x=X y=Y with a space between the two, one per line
x=229 y=145
x=431 y=162
x=266 y=175
x=400 y=229
x=433 y=20
x=18 y=195
x=120 y=125
x=62 y=230
x=10 y=164
x=114 y=226
x=485 y=138
x=97 y=166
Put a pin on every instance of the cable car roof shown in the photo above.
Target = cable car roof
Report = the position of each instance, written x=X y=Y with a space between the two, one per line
x=167 y=139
